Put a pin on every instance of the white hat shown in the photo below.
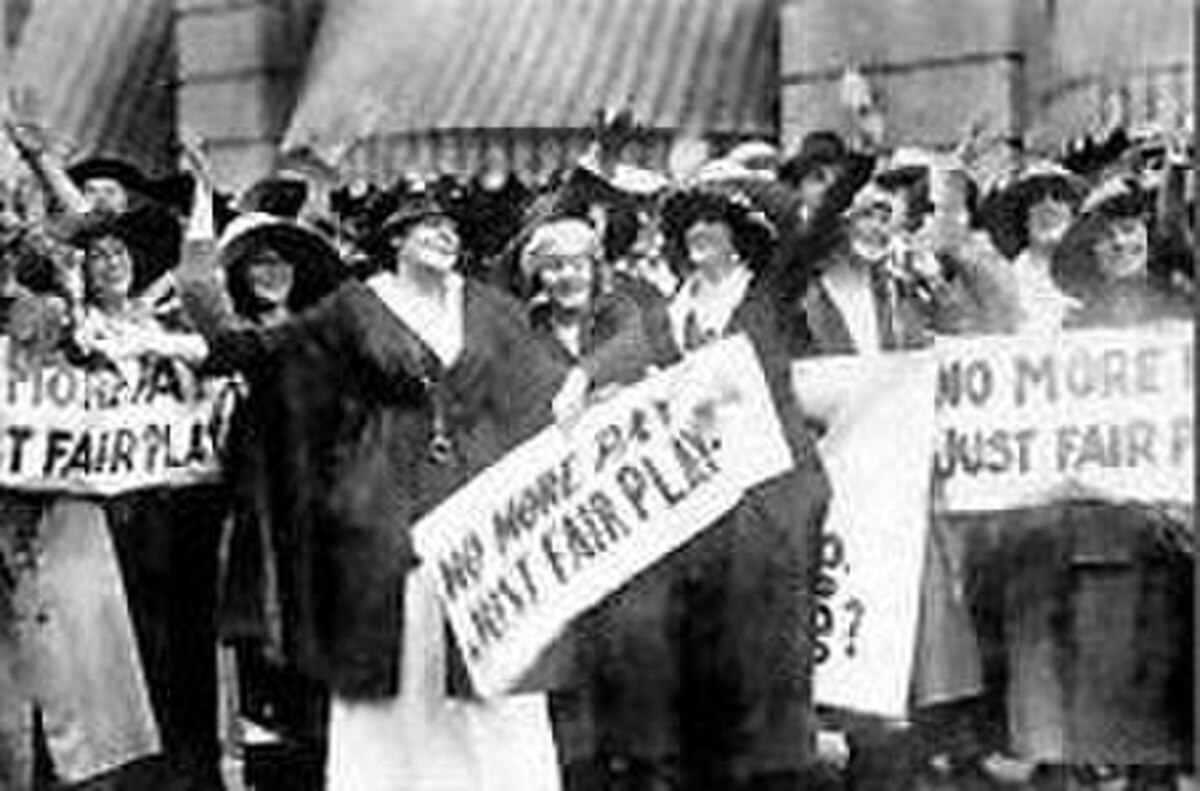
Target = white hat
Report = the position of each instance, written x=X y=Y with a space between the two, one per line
x=639 y=181
x=724 y=170
x=557 y=236
x=756 y=155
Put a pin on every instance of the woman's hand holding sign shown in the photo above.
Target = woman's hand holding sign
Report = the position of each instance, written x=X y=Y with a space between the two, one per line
x=131 y=341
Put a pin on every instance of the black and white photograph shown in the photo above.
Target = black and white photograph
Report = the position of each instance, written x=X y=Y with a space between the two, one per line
x=597 y=395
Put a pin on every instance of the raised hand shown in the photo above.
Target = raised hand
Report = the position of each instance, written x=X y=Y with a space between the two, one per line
x=24 y=123
x=979 y=135
x=193 y=155
x=1114 y=115
x=854 y=91
x=869 y=124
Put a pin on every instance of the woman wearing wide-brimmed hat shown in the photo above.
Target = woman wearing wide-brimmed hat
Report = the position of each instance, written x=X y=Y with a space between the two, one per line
x=586 y=322
x=103 y=650
x=601 y=331
x=94 y=192
x=274 y=268
x=76 y=703
x=167 y=538
x=1028 y=221
x=399 y=389
x=720 y=240
x=1105 y=262
x=1094 y=599
x=730 y=706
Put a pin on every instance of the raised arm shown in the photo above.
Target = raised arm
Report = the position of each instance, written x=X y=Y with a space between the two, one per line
x=1172 y=233
x=32 y=140
x=234 y=344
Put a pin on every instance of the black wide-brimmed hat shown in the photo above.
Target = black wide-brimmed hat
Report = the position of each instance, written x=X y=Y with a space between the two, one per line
x=173 y=192
x=414 y=209
x=1028 y=190
x=124 y=173
x=754 y=235
x=280 y=196
x=317 y=265
x=1074 y=266
x=150 y=233
x=820 y=147
x=1005 y=214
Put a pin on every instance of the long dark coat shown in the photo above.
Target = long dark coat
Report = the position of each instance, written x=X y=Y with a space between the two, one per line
x=1098 y=611
x=615 y=347
x=700 y=668
x=1087 y=620
x=749 y=583
x=356 y=406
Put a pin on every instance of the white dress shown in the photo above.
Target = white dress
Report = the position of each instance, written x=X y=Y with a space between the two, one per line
x=1042 y=304
x=422 y=739
x=67 y=645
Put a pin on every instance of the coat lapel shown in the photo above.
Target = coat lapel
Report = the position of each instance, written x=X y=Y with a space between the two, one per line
x=825 y=322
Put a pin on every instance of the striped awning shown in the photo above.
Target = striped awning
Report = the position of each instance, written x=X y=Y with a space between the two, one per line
x=1139 y=57
x=104 y=73
x=457 y=69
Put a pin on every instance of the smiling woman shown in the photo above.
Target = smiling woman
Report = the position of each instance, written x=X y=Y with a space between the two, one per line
x=108 y=273
x=387 y=396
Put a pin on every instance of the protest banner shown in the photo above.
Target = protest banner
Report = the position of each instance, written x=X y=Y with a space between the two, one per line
x=1026 y=421
x=102 y=430
x=878 y=413
x=570 y=516
x=988 y=424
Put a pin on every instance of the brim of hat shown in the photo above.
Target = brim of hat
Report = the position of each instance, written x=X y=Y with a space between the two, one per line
x=281 y=196
x=124 y=173
x=301 y=246
x=683 y=209
x=1005 y=213
x=150 y=233
x=1028 y=190
x=798 y=168
x=318 y=267
x=399 y=224
x=901 y=177
x=774 y=199
x=1138 y=203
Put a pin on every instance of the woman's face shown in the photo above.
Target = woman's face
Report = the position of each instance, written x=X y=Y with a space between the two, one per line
x=1048 y=221
x=710 y=245
x=106 y=195
x=815 y=185
x=270 y=278
x=109 y=268
x=1123 y=249
x=432 y=244
x=567 y=279
x=874 y=225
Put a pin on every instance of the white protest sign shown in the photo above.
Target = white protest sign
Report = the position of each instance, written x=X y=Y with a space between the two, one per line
x=1026 y=421
x=877 y=450
x=100 y=431
x=567 y=518
x=1001 y=423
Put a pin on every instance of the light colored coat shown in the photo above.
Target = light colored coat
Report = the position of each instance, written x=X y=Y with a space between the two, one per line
x=67 y=644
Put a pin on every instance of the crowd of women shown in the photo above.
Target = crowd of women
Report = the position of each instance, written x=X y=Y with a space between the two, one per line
x=395 y=340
